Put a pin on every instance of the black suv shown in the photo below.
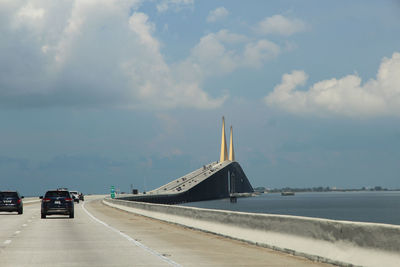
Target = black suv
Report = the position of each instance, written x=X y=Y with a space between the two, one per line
x=57 y=202
x=11 y=201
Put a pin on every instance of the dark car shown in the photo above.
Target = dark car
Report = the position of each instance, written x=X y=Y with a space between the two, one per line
x=57 y=202
x=11 y=201
x=75 y=196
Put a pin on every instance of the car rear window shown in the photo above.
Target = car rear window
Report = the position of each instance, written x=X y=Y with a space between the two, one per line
x=8 y=194
x=57 y=194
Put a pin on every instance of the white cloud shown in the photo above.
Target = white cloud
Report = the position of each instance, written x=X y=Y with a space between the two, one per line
x=281 y=25
x=217 y=14
x=88 y=53
x=222 y=53
x=30 y=12
x=105 y=53
x=175 y=5
x=139 y=23
x=211 y=54
x=230 y=38
x=346 y=96
x=257 y=53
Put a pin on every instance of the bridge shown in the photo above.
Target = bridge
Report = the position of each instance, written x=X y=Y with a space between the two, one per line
x=220 y=179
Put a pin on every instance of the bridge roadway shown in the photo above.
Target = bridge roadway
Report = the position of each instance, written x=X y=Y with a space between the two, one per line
x=103 y=236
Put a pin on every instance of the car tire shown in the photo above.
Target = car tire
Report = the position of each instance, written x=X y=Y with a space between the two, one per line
x=71 y=215
x=20 y=211
x=43 y=216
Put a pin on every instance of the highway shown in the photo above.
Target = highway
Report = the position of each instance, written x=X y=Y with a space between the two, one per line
x=103 y=236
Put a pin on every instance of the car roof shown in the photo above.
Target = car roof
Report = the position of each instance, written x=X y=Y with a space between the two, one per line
x=9 y=193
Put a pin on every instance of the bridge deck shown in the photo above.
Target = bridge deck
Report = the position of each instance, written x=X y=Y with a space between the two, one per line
x=190 y=180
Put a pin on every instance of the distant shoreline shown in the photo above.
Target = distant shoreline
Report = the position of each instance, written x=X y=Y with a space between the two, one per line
x=321 y=189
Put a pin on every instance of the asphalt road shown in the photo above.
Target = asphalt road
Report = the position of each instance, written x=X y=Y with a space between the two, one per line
x=103 y=236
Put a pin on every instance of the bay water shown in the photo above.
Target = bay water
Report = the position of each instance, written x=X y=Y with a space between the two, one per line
x=361 y=206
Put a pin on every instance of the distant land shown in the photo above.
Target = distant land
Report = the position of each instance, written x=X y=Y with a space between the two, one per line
x=262 y=189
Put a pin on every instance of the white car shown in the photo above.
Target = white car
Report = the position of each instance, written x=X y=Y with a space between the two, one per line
x=75 y=195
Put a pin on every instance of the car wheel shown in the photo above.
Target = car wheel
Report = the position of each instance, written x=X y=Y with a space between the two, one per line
x=71 y=215
x=43 y=216
x=20 y=211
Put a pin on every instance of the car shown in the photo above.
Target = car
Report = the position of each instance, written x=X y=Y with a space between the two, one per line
x=81 y=196
x=75 y=196
x=11 y=201
x=57 y=202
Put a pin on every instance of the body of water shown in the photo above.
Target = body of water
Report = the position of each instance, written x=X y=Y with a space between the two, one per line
x=363 y=206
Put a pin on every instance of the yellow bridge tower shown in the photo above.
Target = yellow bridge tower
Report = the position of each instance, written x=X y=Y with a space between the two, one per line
x=224 y=153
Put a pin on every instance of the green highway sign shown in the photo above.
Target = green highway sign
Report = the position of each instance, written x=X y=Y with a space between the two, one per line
x=112 y=192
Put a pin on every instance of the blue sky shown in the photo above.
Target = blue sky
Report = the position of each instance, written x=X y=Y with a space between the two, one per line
x=101 y=93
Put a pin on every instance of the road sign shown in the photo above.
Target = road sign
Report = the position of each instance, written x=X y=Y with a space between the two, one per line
x=112 y=192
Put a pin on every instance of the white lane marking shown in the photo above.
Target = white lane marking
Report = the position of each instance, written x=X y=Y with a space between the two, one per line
x=24 y=225
x=17 y=232
x=7 y=242
x=171 y=262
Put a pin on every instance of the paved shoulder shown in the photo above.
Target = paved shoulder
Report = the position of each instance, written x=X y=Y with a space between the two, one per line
x=190 y=247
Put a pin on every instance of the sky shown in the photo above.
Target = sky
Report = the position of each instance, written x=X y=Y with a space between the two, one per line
x=95 y=93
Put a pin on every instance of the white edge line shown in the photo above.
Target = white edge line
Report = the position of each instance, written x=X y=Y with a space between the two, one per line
x=7 y=242
x=131 y=239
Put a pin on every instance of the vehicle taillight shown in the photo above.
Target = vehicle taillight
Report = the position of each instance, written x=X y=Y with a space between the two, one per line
x=46 y=199
x=18 y=201
x=68 y=199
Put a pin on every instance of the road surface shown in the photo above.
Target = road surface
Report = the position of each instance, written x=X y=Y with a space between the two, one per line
x=103 y=236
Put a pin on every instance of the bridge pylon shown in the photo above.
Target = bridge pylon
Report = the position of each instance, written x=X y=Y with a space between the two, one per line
x=224 y=152
x=231 y=150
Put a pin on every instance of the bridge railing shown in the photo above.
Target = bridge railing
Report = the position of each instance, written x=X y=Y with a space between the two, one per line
x=339 y=242
x=184 y=179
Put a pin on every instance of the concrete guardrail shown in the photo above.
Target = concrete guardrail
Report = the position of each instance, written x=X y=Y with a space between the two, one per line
x=341 y=243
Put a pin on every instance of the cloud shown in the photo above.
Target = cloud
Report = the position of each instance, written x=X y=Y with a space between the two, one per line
x=30 y=12
x=222 y=53
x=226 y=36
x=212 y=55
x=175 y=5
x=281 y=25
x=217 y=14
x=89 y=53
x=346 y=96
x=257 y=53
x=105 y=53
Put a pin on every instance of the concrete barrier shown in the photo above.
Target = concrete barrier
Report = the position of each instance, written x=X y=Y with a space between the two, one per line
x=338 y=242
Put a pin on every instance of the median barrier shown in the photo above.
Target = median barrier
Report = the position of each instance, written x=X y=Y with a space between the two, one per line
x=341 y=243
